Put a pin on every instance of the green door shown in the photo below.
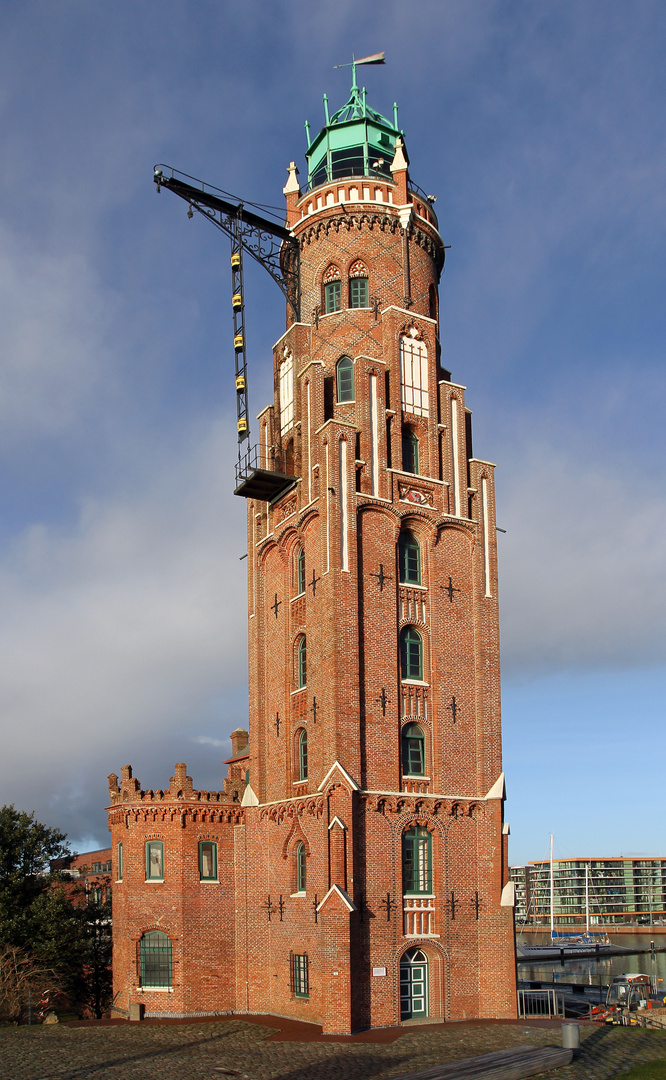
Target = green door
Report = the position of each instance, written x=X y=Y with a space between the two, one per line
x=413 y=985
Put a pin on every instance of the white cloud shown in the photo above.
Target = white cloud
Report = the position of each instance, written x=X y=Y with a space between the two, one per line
x=123 y=630
x=583 y=564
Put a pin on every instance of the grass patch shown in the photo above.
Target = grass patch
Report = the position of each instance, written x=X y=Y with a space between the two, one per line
x=651 y=1070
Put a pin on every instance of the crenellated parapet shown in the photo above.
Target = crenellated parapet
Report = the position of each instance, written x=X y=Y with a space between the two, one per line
x=181 y=789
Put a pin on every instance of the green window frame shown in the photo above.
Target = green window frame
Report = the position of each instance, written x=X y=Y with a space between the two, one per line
x=207 y=860
x=409 y=559
x=300 y=571
x=156 y=960
x=303 y=755
x=344 y=372
x=300 y=975
x=413 y=750
x=410 y=452
x=119 y=875
x=416 y=861
x=359 y=292
x=411 y=654
x=154 y=860
x=302 y=667
x=332 y=296
x=301 y=867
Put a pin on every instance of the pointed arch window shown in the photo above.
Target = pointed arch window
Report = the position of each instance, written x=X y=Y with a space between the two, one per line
x=155 y=959
x=300 y=571
x=332 y=290
x=410 y=452
x=409 y=559
x=303 y=755
x=286 y=393
x=302 y=663
x=411 y=654
x=413 y=750
x=359 y=294
x=413 y=374
x=344 y=372
x=301 y=867
x=416 y=861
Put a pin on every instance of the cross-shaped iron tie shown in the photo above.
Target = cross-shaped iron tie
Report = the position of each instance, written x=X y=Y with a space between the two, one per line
x=313 y=583
x=449 y=589
x=383 y=700
x=314 y=709
x=381 y=577
x=275 y=605
x=277 y=723
x=454 y=708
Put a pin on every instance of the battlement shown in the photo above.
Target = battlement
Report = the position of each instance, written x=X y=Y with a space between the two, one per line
x=181 y=788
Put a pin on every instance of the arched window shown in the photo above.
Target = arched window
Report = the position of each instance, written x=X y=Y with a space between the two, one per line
x=416 y=861
x=409 y=559
x=303 y=755
x=413 y=750
x=410 y=451
x=359 y=296
x=302 y=663
x=332 y=290
x=300 y=571
x=286 y=393
x=411 y=654
x=413 y=374
x=301 y=868
x=345 y=379
x=154 y=860
x=155 y=959
x=207 y=861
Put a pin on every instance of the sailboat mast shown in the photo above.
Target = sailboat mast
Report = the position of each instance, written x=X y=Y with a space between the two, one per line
x=587 y=900
x=552 y=893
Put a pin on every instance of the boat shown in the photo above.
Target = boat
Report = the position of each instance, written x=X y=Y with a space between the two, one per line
x=565 y=946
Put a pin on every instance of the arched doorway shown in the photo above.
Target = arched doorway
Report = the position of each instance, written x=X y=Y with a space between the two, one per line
x=413 y=984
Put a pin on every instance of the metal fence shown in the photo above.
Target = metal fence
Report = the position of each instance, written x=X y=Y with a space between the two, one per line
x=540 y=1003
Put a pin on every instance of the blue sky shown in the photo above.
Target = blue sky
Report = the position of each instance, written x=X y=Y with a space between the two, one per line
x=541 y=126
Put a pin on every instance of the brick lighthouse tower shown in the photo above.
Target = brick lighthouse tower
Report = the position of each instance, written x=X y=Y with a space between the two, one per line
x=363 y=879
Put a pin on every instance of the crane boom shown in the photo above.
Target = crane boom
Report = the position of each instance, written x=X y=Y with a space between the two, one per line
x=274 y=248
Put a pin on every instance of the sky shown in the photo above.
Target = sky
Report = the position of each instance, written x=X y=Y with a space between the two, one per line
x=541 y=127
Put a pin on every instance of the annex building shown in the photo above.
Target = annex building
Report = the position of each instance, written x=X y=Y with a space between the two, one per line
x=352 y=870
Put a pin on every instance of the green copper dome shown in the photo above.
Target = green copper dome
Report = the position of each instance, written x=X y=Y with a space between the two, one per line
x=355 y=141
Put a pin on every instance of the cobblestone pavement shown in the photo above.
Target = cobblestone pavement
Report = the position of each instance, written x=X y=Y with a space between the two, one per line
x=245 y=1050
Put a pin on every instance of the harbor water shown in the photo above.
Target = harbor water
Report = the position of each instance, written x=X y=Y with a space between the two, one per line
x=600 y=971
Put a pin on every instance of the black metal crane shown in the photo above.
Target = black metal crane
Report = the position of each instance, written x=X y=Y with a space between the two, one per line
x=274 y=248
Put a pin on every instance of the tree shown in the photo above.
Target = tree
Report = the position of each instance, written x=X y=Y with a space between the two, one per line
x=26 y=847
x=23 y=980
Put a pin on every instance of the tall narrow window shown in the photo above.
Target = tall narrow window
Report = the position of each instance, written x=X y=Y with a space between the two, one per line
x=155 y=860
x=302 y=663
x=299 y=974
x=286 y=393
x=411 y=654
x=413 y=750
x=410 y=452
x=345 y=379
x=300 y=571
x=409 y=559
x=155 y=959
x=207 y=861
x=301 y=868
x=120 y=863
x=414 y=374
x=303 y=755
x=417 y=861
x=332 y=290
x=358 y=285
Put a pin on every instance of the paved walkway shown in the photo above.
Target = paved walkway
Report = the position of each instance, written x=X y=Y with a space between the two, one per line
x=242 y=1050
